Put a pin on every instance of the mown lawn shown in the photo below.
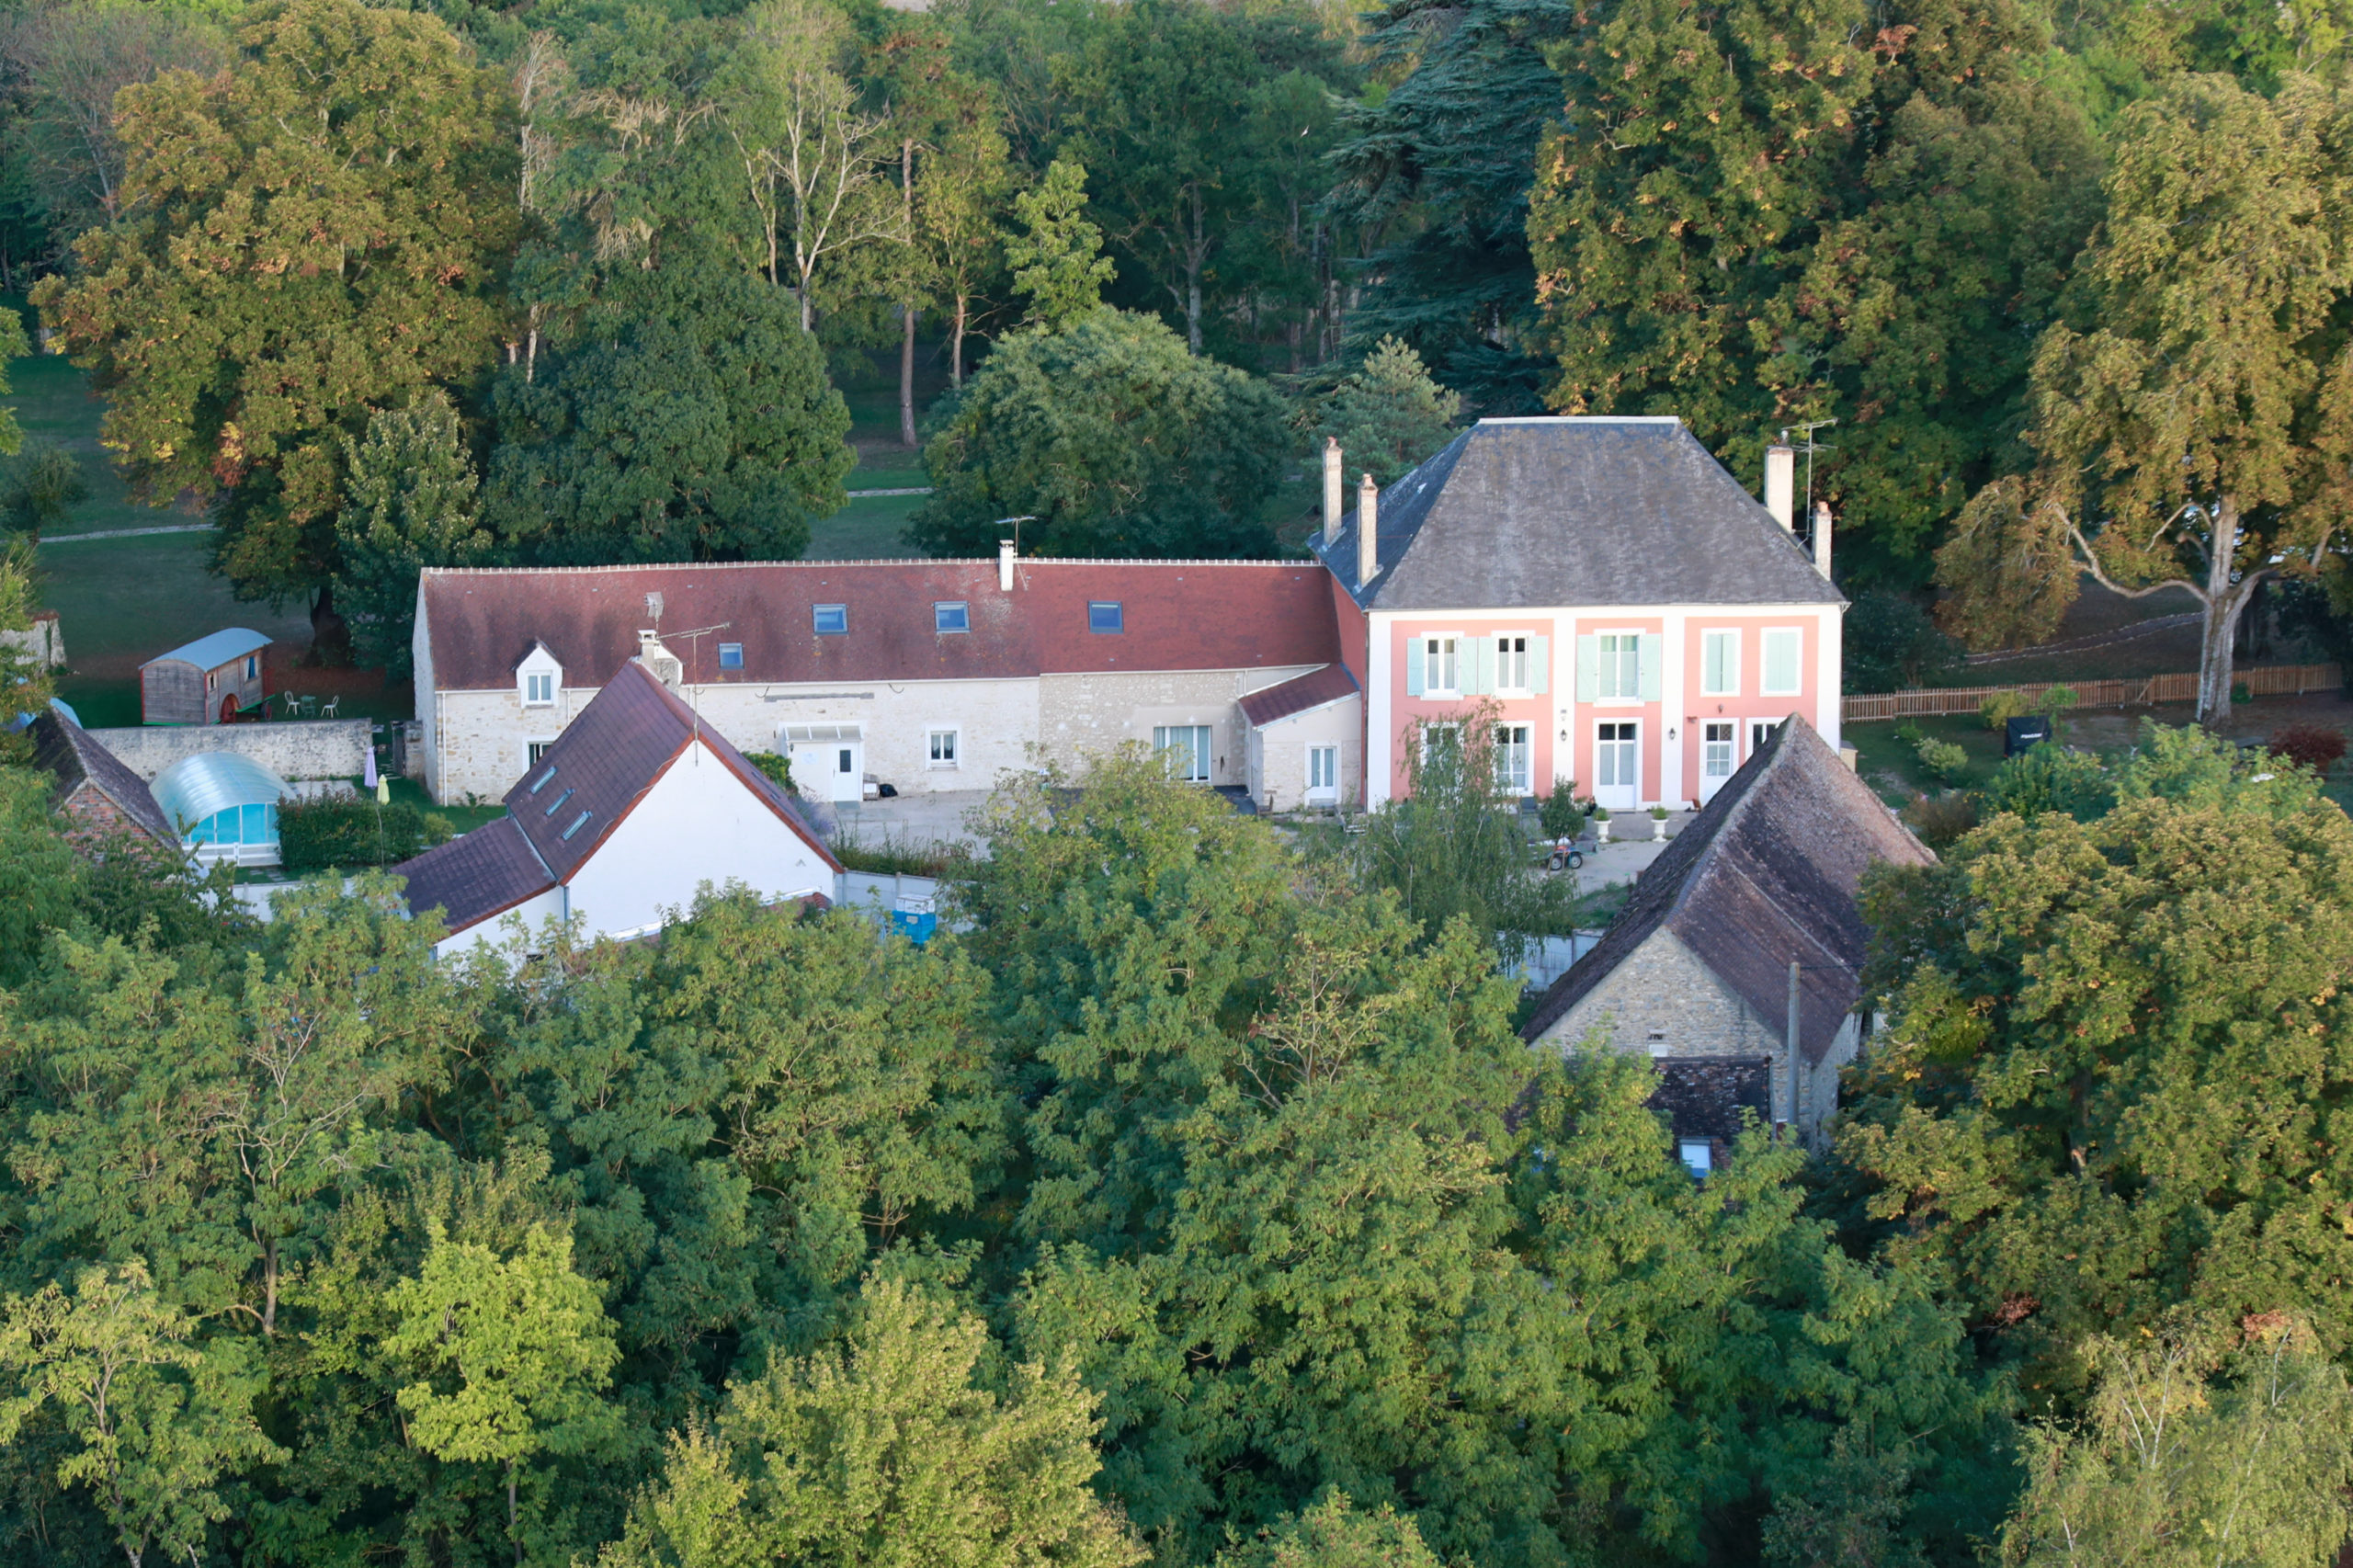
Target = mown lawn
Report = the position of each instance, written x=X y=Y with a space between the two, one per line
x=1891 y=763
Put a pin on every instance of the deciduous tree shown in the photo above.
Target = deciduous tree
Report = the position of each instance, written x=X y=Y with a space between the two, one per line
x=408 y=503
x=2193 y=419
x=317 y=231
x=1059 y=262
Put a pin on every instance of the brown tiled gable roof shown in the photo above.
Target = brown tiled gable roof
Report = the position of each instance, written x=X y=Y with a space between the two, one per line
x=601 y=766
x=1177 y=615
x=476 y=876
x=1767 y=873
x=74 y=758
x=1298 y=694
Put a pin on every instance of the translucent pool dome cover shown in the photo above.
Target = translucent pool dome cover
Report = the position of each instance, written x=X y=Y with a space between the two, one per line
x=198 y=792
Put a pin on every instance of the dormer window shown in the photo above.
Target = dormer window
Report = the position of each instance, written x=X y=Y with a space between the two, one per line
x=539 y=677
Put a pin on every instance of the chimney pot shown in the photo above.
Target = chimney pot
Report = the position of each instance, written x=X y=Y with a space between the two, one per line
x=1782 y=484
x=1335 y=484
x=1821 y=538
x=1367 y=532
x=1005 y=566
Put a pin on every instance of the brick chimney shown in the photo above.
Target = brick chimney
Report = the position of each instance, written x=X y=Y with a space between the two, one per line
x=1367 y=532
x=1821 y=538
x=1333 y=488
x=1005 y=566
x=1782 y=483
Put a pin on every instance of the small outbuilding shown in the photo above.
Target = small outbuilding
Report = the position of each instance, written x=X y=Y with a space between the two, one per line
x=208 y=681
x=102 y=800
x=225 y=806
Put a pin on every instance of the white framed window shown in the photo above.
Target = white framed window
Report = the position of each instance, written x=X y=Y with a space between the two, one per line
x=1720 y=663
x=1186 y=750
x=1511 y=665
x=1695 y=1154
x=1759 y=732
x=532 y=752
x=1619 y=676
x=731 y=656
x=539 y=688
x=1441 y=672
x=944 y=746
x=1512 y=758
x=952 y=615
x=1322 y=772
x=1784 y=655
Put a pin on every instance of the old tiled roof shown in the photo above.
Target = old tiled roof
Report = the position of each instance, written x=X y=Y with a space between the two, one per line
x=592 y=776
x=1703 y=1095
x=1531 y=513
x=72 y=757
x=1767 y=873
x=1298 y=694
x=1176 y=615
x=476 y=876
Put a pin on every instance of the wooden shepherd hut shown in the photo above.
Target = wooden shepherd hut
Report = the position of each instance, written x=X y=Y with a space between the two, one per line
x=208 y=681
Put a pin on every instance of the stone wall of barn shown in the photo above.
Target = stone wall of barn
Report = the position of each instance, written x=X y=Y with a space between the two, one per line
x=299 y=748
x=1084 y=714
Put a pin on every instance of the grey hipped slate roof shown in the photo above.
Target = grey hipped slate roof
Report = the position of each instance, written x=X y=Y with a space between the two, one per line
x=1531 y=513
x=1766 y=875
x=74 y=758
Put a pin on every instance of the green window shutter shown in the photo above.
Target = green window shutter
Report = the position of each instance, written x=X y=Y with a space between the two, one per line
x=1651 y=653
x=1782 y=650
x=1412 y=667
x=1539 y=665
x=1479 y=666
x=1589 y=668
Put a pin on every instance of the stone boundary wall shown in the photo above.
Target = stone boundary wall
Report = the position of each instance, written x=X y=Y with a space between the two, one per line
x=299 y=748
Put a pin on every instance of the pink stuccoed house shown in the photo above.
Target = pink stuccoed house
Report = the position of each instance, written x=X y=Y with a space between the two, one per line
x=1641 y=623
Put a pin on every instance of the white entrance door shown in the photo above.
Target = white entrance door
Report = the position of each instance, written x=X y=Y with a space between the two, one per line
x=1323 y=774
x=846 y=772
x=1617 y=764
x=1718 y=744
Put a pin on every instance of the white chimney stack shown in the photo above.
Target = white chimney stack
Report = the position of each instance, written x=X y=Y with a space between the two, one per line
x=1367 y=532
x=1821 y=538
x=1005 y=566
x=1333 y=487
x=1782 y=483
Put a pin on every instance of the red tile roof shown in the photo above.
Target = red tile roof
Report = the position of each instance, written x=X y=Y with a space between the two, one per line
x=1177 y=615
x=476 y=876
x=1298 y=694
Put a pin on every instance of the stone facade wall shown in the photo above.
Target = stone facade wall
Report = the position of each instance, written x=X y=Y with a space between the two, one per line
x=1278 y=754
x=301 y=748
x=479 y=741
x=1662 y=1001
x=44 y=643
x=1084 y=714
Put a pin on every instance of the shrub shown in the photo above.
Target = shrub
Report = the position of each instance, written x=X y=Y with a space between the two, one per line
x=314 y=836
x=1941 y=820
x=2047 y=778
x=2055 y=701
x=2002 y=707
x=778 y=767
x=894 y=856
x=1943 y=760
x=2317 y=747
x=1560 y=812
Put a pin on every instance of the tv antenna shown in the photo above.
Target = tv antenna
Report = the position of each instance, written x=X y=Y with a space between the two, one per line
x=1809 y=446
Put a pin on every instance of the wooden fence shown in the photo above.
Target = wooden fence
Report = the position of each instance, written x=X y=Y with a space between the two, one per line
x=2261 y=680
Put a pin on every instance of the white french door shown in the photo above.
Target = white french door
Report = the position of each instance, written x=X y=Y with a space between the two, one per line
x=1186 y=750
x=1511 y=759
x=1617 y=764
x=1719 y=759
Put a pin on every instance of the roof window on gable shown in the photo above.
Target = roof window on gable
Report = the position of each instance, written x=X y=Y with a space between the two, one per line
x=831 y=620
x=1105 y=616
x=577 y=823
x=541 y=781
x=557 y=804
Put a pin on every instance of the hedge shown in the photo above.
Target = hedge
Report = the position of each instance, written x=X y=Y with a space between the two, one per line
x=313 y=836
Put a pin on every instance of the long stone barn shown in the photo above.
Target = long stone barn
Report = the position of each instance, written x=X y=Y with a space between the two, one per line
x=923 y=674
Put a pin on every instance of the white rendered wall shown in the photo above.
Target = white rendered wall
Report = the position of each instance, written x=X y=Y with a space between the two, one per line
x=497 y=931
x=698 y=823
x=1278 y=778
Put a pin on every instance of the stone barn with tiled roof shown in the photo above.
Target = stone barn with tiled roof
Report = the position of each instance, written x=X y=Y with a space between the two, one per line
x=1696 y=971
